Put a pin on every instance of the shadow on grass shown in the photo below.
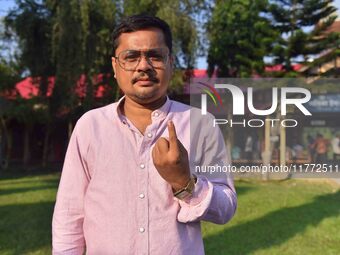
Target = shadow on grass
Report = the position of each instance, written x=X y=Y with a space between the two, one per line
x=243 y=190
x=6 y=191
x=21 y=172
x=18 y=178
x=274 y=228
x=25 y=227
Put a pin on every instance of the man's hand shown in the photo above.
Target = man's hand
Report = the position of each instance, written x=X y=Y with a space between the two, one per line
x=171 y=160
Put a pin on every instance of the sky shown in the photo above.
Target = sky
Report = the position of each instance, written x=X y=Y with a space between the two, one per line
x=5 y=5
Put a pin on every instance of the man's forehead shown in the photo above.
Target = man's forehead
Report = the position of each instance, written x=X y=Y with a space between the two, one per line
x=142 y=39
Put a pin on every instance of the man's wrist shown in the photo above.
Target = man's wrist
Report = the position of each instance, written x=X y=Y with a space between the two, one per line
x=181 y=184
x=188 y=190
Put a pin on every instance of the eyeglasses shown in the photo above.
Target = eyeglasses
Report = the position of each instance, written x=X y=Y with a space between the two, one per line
x=129 y=59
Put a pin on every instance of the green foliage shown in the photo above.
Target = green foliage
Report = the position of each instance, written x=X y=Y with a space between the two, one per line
x=28 y=111
x=81 y=46
x=302 y=24
x=98 y=18
x=64 y=39
x=31 y=22
x=8 y=75
x=240 y=36
x=67 y=33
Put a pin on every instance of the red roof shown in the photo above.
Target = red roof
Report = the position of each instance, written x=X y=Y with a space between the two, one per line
x=202 y=73
x=280 y=68
x=29 y=87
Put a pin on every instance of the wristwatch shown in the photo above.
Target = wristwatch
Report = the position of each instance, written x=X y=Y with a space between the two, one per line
x=187 y=190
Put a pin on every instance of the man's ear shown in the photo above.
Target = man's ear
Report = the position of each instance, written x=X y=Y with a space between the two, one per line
x=114 y=65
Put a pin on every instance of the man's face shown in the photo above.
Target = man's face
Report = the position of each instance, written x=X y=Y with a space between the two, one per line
x=149 y=80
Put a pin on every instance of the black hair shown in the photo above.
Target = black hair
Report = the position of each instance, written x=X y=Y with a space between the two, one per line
x=138 y=22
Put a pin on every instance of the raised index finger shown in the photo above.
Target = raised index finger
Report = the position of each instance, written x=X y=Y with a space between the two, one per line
x=172 y=135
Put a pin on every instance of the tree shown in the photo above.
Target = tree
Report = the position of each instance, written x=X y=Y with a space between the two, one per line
x=8 y=78
x=302 y=24
x=82 y=48
x=240 y=36
x=98 y=18
x=67 y=53
x=31 y=23
x=65 y=39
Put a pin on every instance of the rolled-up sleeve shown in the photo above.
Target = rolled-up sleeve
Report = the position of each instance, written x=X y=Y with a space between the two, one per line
x=214 y=198
x=211 y=201
x=68 y=216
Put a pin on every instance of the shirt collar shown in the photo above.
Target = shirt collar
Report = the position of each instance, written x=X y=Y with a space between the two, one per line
x=157 y=114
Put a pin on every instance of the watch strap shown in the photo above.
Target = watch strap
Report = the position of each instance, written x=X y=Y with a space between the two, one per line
x=187 y=190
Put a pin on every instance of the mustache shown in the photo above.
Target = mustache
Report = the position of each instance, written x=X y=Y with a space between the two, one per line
x=144 y=76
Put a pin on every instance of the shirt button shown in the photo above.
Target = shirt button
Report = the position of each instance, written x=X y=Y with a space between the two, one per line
x=142 y=166
x=141 y=230
x=141 y=195
x=149 y=135
x=156 y=114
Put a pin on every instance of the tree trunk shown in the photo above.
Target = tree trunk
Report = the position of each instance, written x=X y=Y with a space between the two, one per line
x=1 y=145
x=46 y=145
x=9 y=149
x=89 y=91
x=27 y=152
x=70 y=129
x=7 y=139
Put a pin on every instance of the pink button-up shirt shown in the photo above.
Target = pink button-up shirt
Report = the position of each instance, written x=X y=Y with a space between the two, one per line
x=111 y=199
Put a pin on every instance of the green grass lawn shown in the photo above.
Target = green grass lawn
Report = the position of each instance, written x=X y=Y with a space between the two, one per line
x=289 y=217
x=26 y=207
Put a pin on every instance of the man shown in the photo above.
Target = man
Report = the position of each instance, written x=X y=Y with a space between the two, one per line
x=311 y=148
x=336 y=148
x=128 y=183
x=321 y=148
x=248 y=148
